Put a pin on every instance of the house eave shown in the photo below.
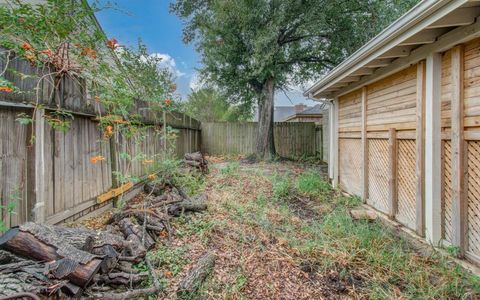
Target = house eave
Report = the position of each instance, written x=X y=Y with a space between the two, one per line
x=388 y=41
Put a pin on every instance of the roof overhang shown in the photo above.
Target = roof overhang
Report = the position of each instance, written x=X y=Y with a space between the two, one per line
x=430 y=26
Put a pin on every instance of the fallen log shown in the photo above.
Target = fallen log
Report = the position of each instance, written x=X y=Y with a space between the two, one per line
x=121 y=278
x=72 y=264
x=192 y=205
x=128 y=229
x=152 y=291
x=194 y=279
x=155 y=188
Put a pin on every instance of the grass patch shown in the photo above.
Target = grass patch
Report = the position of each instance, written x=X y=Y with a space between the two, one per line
x=313 y=185
x=231 y=169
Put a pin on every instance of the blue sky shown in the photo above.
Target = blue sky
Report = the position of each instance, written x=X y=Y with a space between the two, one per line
x=161 y=31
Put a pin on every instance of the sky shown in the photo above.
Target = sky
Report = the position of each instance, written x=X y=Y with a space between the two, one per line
x=161 y=31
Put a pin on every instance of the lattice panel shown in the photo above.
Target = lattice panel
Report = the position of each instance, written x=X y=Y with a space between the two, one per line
x=473 y=196
x=350 y=165
x=406 y=180
x=447 y=190
x=378 y=174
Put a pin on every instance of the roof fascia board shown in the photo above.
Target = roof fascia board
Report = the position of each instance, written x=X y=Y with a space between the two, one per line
x=412 y=22
x=456 y=36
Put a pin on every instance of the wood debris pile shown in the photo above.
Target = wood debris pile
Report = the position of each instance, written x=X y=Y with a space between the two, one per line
x=197 y=161
x=55 y=260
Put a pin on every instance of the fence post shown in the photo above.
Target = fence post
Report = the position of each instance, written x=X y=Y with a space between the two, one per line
x=39 y=209
x=114 y=164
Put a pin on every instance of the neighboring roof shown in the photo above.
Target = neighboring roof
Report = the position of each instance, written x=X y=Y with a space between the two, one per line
x=314 y=112
x=280 y=113
x=430 y=26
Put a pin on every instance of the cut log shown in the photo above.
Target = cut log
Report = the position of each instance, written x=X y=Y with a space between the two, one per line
x=121 y=278
x=193 y=205
x=194 y=279
x=197 y=156
x=197 y=161
x=73 y=264
x=128 y=229
x=155 y=188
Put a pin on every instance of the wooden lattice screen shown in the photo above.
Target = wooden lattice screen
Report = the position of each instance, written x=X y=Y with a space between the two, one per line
x=350 y=165
x=406 y=179
x=378 y=168
x=473 y=198
x=447 y=191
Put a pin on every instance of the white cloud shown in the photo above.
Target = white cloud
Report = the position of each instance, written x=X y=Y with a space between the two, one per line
x=195 y=82
x=169 y=63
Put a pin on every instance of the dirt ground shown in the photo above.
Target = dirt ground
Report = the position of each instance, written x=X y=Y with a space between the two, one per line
x=279 y=232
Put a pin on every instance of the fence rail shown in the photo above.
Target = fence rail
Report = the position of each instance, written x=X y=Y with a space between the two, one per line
x=292 y=140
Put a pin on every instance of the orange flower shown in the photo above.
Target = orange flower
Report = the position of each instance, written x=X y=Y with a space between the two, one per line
x=26 y=46
x=151 y=177
x=30 y=56
x=108 y=132
x=95 y=159
x=112 y=43
x=97 y=99
x=167 y=102
x=6 y=89
x=89 y=52
x=147 y=161
x=168 y=274
x=47 y=52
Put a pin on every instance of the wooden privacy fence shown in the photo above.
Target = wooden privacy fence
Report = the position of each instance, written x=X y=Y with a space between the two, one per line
x=292 y=140
x=55 y=179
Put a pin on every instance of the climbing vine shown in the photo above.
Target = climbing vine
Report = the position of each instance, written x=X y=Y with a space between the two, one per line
x=62 y=41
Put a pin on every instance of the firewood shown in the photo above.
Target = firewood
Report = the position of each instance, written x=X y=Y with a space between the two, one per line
x=193 y=205
x=155 y=188
x=197 y=156
x=73 y=264
x=194 y=279
x=121 y=278
x=128 y=229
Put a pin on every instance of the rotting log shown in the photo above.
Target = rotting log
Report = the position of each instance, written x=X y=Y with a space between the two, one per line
x=192 y=205
x=72 y=264
x=152 y=291
x=121 y=278
x=194 y=279
x=128 y=228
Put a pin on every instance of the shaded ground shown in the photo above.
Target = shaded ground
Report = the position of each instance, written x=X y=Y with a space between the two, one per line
x=280 y=232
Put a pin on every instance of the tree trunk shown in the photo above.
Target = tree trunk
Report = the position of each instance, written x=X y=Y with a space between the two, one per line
x=265 y=142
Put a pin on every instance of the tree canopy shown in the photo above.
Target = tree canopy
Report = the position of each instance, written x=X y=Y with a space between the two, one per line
x=209 y=105
x=251 y=48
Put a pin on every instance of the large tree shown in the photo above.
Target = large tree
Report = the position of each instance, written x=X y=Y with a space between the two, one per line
x=209 y=105
x=251 y=48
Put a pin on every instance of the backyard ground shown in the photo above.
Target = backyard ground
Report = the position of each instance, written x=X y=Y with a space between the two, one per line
x=279 y=231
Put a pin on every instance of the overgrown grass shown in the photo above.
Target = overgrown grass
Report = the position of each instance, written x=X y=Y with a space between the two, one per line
x=231 y=169
x=370 y=259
